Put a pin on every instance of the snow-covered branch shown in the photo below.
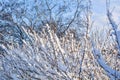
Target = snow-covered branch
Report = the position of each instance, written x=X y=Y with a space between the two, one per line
x=113 y=74
x=115 y=28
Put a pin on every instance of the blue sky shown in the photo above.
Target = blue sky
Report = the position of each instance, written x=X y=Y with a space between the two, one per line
x=99 y=12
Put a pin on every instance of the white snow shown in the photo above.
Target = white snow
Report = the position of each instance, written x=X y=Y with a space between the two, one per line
x=111 y=73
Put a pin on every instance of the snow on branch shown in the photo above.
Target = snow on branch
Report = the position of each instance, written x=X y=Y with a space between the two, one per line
x=113 y=74
x=115 y=28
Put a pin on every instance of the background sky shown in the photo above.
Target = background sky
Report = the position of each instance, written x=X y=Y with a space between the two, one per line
x=99 y=12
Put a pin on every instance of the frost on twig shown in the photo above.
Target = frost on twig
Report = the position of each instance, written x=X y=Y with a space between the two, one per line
x=49 y=58
x=115 y=28
x=113 y=74
x=45 y=59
